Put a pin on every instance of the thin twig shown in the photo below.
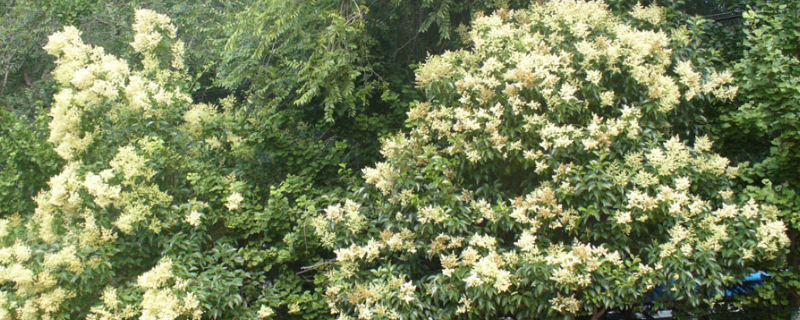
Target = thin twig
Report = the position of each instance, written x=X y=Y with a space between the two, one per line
x=357 y=8
x=407 y=42
x=5 y=78
x=316 y=266
x=101 y=21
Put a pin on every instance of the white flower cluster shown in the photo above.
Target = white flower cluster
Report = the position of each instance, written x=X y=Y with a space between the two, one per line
x=380 y=176
x=150 y=29
x=42 y=297
x=165 y=298
x=88 y=77
x=652 y=14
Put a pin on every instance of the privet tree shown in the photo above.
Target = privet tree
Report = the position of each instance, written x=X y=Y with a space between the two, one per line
x=541 y=179
x=142 y=220
x=94 y=212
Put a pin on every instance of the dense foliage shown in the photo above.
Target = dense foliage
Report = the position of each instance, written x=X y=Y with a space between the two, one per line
x=28 y=162
x=763 y=128
x=541 y=177
x=396 y=159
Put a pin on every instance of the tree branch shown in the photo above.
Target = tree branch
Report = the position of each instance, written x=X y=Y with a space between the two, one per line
x=316 y=266
x=597 y=314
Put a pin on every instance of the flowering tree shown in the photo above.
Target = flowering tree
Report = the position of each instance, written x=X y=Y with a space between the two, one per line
x=541 y=179
x=142 y=221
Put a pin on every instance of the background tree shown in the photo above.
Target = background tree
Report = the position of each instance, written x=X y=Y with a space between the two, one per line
x=763 y=130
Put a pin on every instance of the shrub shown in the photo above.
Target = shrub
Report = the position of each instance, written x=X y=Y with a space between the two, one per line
x=542 y=179
x=146 y=218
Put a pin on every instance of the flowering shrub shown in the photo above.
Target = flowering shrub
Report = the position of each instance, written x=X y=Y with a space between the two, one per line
x=144 y=220
x=541 y=178
x=86 y=218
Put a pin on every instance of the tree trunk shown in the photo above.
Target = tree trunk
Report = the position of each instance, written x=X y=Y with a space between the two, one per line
x=597 y=314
